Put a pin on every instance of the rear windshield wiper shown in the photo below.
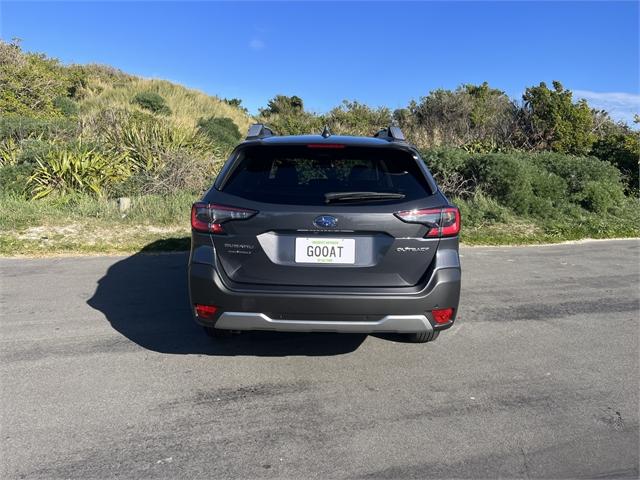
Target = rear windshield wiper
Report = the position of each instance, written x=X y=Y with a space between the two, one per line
x=360 y=196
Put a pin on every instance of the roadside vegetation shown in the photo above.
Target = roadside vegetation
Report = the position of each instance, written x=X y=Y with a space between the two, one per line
x=74 y=139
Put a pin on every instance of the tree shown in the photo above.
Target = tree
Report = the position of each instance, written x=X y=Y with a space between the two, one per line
x=492 y=110
x=355 y=118
x=551 y=120
x=443 y=118
x=282 y=104
x=286 y=116
x=475 y=117
x=622 y=150
x=235 y=102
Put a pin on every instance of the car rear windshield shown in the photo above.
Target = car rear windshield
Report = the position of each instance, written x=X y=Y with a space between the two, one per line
x=304 y=175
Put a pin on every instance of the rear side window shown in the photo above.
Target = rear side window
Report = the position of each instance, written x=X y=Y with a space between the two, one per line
x=300 y=175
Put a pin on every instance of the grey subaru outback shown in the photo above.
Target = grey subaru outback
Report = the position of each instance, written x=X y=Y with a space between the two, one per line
x=324 y=233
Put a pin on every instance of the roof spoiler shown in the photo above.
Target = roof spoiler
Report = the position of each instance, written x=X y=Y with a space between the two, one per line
x=391 y=133
x=257 y=131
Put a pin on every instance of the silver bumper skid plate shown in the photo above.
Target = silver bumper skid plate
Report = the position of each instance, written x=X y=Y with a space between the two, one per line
x=260 y=321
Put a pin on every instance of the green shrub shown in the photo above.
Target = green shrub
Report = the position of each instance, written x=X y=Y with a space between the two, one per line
x=13 y=178
x=548 y=185
x=142 y=139
x=448 y=166
x=21 y=127
x=220 y=130
x=355 y=118
x=503 y=177
x=577 y=172
x=14 y=152
x=623 y=151
x=9 y=152
x=236 y=103
x=287 y=116
x=178 y=171
x=541 y=185
x=75 y=168
x=66 y=105
x=601 y=197
x=32 y=148
x=283 y=104
x=481 y=209
x=548 y=192
x=444 y=161
x=30 y=82
x=153 y=102
x=293 y=123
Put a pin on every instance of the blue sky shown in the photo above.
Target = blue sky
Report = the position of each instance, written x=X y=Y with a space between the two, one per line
x=380 y=53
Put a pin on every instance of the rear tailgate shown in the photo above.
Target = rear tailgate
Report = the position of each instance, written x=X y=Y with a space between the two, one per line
x=386 y=251
x=299 y=238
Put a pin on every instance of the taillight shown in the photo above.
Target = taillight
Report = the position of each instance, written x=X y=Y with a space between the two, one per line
x=442 y=222
x=442 y=315
x=205 y=311
x=209 y=217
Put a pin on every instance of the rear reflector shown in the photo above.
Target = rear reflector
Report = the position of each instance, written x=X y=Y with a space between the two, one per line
x=441 y=222
x=325 y=145
x=209 y=217
x=205 y=311
x=442 y=315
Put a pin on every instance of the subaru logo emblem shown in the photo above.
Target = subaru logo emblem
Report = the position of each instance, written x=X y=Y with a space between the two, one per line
x=325 y=221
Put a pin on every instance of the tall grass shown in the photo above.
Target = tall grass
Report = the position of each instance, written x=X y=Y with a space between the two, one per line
x=187 y=106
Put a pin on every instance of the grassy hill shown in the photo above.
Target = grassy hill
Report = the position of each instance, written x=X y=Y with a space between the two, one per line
x=92 y=128
x=186 y=106
x=73 y=138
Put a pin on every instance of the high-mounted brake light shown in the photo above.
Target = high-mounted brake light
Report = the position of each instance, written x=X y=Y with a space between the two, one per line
x=209 y=217
x=325 y=145
x=441 y=222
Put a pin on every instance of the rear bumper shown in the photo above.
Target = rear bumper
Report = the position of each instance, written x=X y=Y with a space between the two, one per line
x=260 y=321
x=364 y=311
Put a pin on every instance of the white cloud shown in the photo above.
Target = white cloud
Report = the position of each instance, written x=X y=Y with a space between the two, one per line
x=256 y=44
x=620 y=105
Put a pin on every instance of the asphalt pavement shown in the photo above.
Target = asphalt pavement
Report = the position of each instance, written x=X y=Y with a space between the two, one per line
x=104 y=375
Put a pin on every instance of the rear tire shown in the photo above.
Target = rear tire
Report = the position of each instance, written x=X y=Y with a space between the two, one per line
x=213 y=332
x=422 y=337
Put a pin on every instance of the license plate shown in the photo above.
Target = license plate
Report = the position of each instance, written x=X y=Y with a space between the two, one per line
x=325 y=250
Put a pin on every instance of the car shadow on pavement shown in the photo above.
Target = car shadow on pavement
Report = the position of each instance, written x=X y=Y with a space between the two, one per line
x=145 y=298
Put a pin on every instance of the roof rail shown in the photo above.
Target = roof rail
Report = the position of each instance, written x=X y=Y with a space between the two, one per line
x=257 y=131
x=391 y=133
